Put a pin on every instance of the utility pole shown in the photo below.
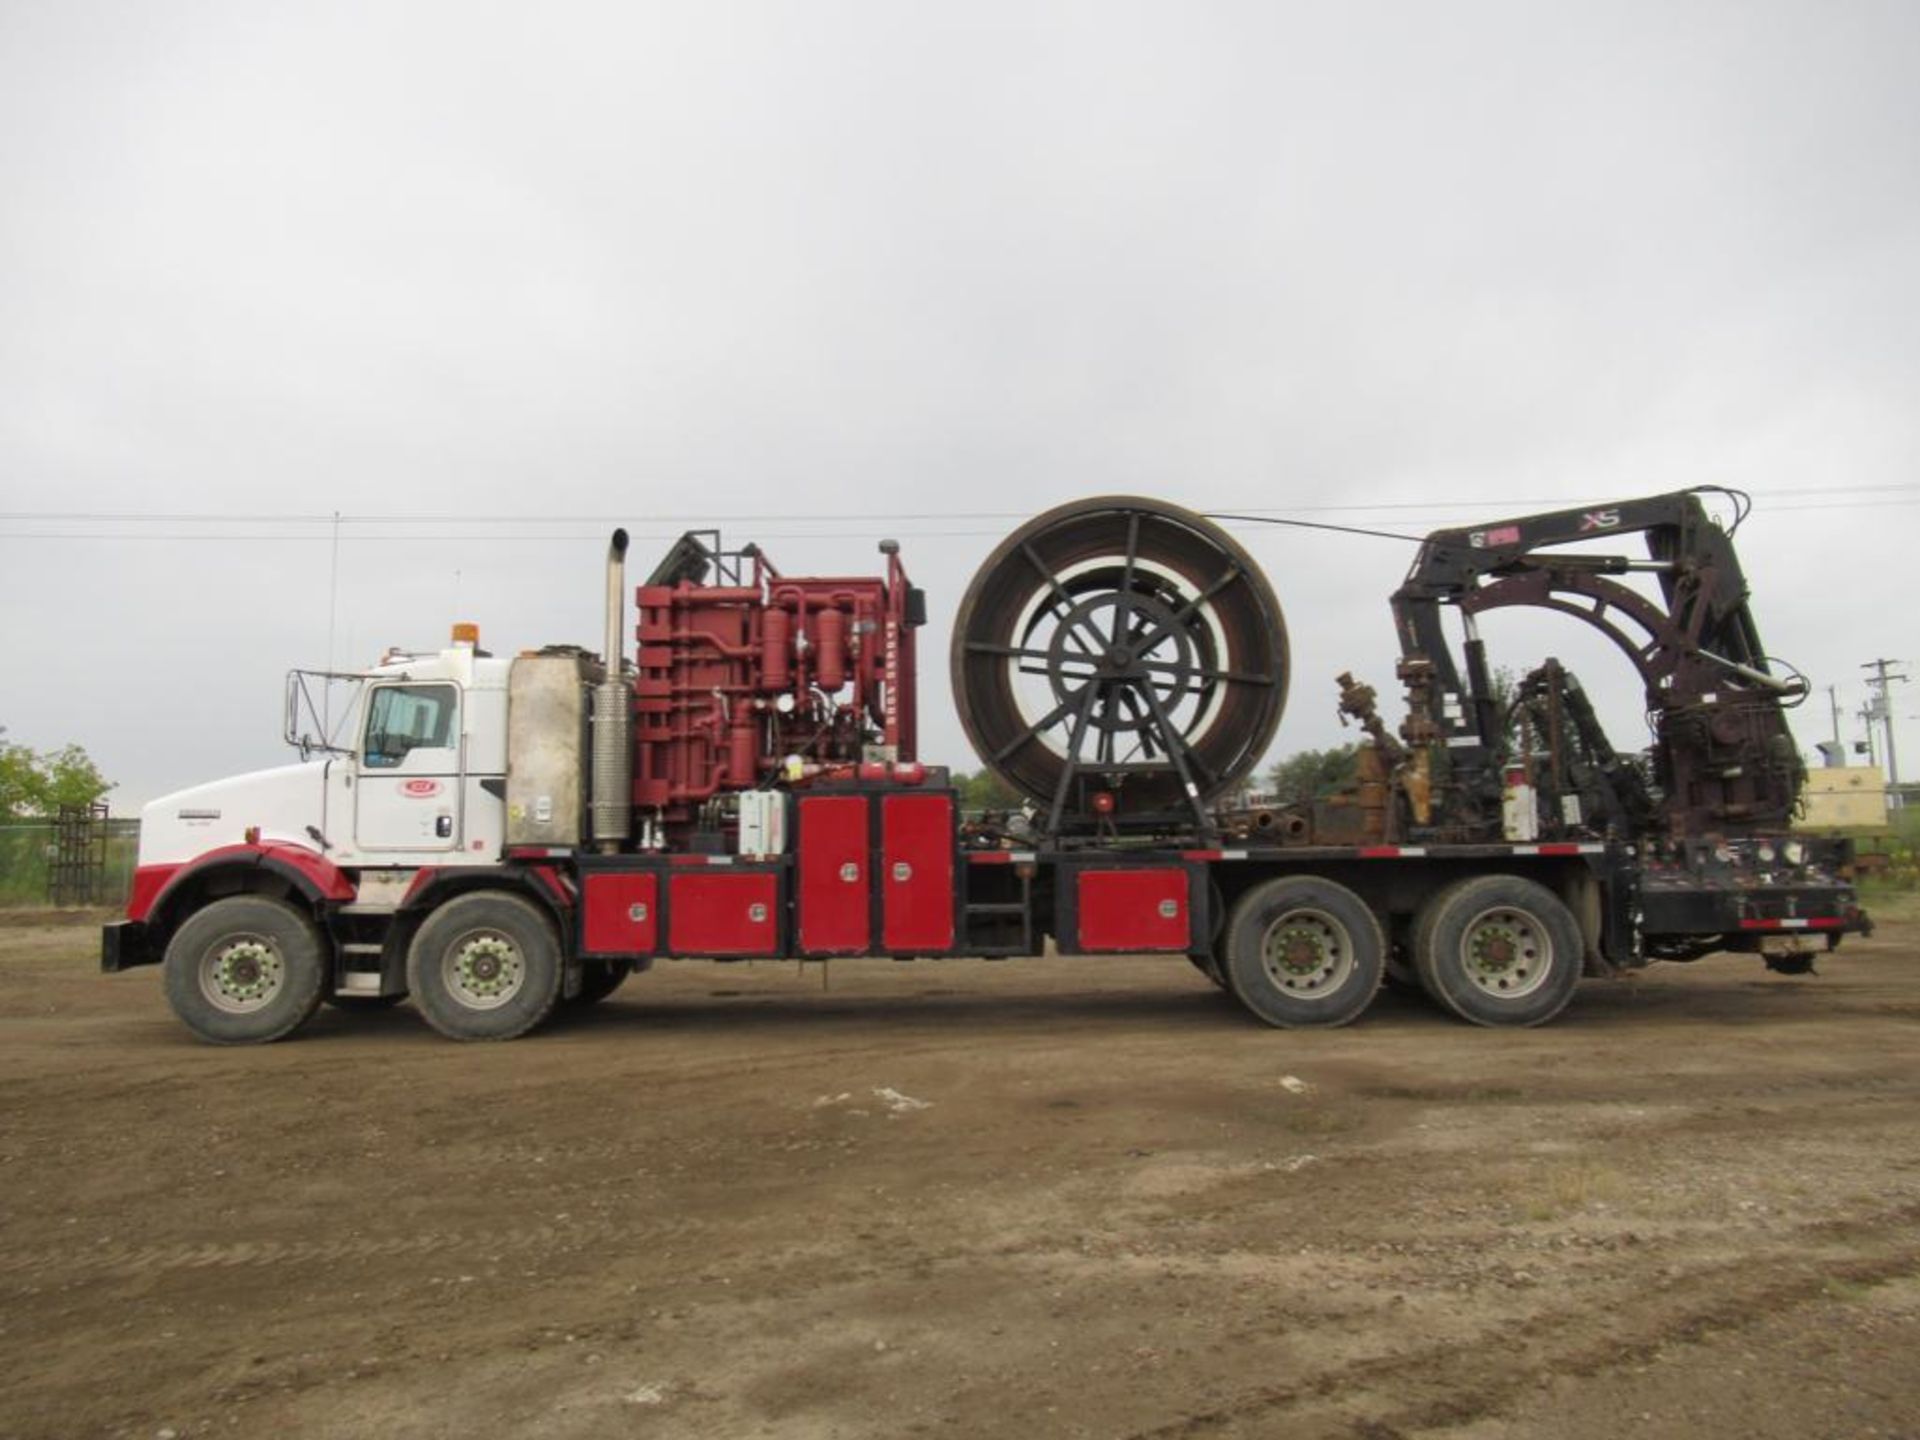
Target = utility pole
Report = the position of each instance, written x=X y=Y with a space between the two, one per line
x=1882 y=709
x=333 y=613
x=1833 y=701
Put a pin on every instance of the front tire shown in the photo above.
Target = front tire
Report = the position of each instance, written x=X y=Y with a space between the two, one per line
x=1499 y=950
x=245 y=970
x=1302 y=951
x=485 y=966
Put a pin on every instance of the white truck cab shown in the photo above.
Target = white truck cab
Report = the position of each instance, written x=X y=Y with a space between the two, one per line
x=420 y=778
x=332 y=879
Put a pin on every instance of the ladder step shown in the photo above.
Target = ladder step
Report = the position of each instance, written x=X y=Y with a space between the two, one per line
x=362 y=947
x=996 y=909
x=358 y=908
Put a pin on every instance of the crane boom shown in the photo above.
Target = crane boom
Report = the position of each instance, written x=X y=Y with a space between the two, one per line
x=1724 y=760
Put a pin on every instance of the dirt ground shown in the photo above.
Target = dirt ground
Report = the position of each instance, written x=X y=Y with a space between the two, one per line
x=1043 y=1198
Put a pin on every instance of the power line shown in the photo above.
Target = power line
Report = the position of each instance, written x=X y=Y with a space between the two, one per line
x=564 y=537
x=866 y=530
x=1314 y=525
x=332 y=518
x=329 y=527
x=471 y=518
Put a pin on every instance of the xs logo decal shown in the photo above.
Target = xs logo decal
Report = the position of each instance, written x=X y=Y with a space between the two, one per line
x=1599 y=520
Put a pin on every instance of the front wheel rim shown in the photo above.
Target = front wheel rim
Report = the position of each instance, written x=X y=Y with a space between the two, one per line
x=1506 y=953
x=1307 y=953
x=241 y=974
x=483 y=969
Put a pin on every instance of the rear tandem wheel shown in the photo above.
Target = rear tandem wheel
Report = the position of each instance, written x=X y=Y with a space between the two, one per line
x=485 y=966
x=1498 y=950
x=1302 y=951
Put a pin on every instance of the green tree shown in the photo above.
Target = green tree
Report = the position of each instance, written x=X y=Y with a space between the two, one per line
x=37 y=783
x=984 y=791
x=72 y=778
x=19 y=782
x=1306 y=775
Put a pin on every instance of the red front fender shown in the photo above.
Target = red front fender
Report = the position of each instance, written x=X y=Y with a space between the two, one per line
x=156 y=888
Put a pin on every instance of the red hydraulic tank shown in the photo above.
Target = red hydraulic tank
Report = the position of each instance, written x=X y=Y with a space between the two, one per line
x=830 y=642
x=743 y=749
x=776 y=649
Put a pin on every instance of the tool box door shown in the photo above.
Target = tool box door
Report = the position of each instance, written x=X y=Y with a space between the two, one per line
x=835 y=875
x=620 y=913
x=723 y=912
x=1134 y=909
x=917 y=873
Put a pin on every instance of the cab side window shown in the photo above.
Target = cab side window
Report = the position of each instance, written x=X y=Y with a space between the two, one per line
x=405 y=718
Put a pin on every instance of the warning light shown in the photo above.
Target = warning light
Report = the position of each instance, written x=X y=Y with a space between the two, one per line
x=1103 y=802
x=465 y=632
x=253 y=834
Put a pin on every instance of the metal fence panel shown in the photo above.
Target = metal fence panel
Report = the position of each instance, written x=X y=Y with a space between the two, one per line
x=76 y=859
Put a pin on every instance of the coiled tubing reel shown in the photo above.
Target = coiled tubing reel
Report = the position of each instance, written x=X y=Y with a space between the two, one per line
x=1120 y=662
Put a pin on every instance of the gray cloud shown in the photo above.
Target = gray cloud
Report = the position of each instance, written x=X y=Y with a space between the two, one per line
x=269 y=260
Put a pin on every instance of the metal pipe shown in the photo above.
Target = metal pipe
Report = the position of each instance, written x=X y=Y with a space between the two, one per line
x=615 y=651
x=612 y=791
x=1794 y=686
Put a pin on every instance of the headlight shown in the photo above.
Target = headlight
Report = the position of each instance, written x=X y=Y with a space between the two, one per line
x=1794 y=851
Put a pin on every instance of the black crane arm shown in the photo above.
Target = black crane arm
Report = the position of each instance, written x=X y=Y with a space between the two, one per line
x=1697 y=650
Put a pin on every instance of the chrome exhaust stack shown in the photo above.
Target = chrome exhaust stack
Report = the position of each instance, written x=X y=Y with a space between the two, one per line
x=612 y=802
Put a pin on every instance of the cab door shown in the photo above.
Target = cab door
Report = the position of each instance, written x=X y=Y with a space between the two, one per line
x=408 y=795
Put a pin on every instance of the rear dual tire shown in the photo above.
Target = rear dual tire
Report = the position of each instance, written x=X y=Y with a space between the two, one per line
x=1498 y=950
x=1303 y=952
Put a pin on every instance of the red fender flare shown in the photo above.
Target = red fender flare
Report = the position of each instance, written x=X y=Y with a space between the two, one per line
x=545 y=881
x=308 y=871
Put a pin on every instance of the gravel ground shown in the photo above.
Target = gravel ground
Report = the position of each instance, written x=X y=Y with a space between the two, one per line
x=1044 y=1198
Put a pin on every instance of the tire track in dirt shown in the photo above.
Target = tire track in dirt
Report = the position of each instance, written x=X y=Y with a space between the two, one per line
x=1472 y=1376
x=121 y=1261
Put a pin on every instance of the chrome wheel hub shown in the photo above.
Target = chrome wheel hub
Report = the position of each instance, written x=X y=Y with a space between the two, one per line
x=484 y=970
x=1506 y=953
x=241 y=974
x=1307 y=953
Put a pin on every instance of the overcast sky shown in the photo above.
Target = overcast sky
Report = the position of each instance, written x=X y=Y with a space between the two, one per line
x=822 y=273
